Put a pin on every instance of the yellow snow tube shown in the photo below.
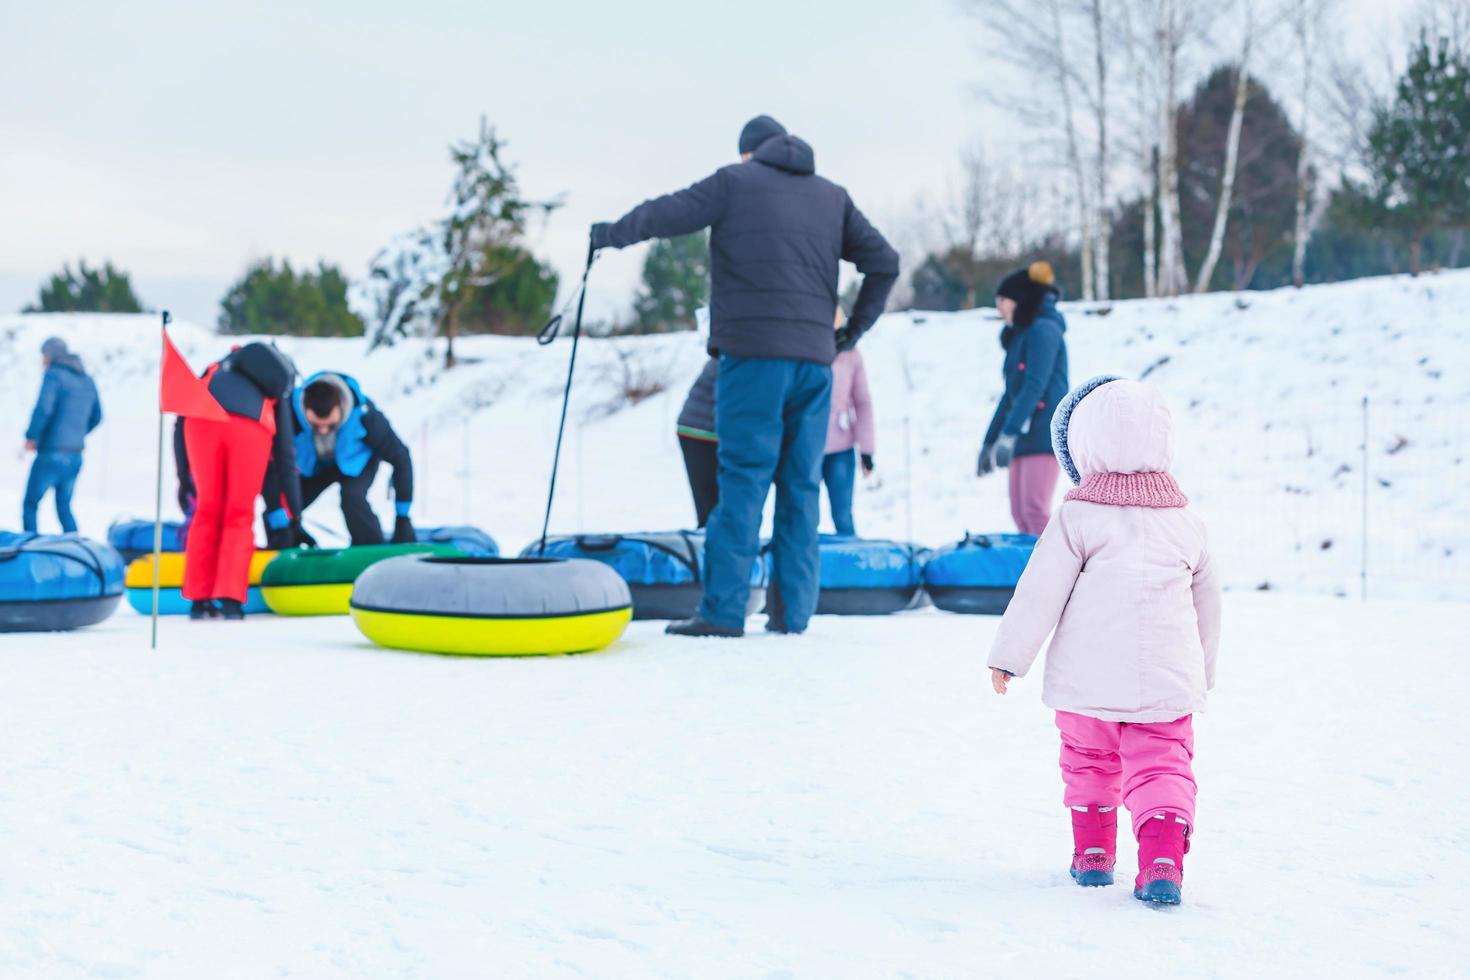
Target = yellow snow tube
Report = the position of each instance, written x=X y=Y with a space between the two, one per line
x=171 y=569
x=491 y=607
x=486 y=637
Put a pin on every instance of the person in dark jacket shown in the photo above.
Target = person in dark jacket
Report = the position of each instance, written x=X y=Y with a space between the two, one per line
x=343 y=439
x=698 y=442
x=778 y=233
x=1035 y=370
x=67 y=409
x=228 y=461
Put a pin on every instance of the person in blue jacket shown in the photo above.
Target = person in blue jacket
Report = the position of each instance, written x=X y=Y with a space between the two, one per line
x=342 y=438
x=67 y=409
x=778 y=234
x=1035 y=369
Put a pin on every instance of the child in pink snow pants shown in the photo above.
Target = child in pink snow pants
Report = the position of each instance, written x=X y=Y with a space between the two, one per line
x=1123 y=576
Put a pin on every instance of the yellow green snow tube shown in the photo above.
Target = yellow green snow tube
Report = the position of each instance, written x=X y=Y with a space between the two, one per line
x=491 y=607
x=318 y=581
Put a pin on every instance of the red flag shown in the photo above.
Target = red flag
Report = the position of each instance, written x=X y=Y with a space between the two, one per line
x=181 y=392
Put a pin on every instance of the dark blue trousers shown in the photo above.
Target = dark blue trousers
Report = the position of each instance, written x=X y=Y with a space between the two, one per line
x=51 y=471
x=839 y=472
x=771 y=417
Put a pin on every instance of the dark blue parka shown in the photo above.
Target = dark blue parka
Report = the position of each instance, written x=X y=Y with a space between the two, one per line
x=1036 y=380
x=66 y=410
x=777 y=235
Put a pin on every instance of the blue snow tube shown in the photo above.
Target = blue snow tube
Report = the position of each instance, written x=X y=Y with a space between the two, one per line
x=664 y=569
x=134 y=539
x=56 y=582
x=979 y=574
x=470 y=541
x=869 y=578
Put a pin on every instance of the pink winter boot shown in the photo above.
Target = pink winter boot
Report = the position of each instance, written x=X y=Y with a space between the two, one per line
x=1163 y=840
x=1094 y=844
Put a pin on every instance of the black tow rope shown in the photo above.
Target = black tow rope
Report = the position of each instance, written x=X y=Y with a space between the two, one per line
x=545 y=337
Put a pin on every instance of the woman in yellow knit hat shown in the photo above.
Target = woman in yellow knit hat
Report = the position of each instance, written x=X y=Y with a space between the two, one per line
x=1019 y=436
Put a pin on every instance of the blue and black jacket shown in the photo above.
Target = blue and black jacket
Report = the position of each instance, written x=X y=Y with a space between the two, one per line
x=364 y=436
x=1036 y=381
x=67 y=408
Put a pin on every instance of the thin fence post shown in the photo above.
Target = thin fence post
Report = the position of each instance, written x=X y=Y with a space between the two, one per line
x=581 y=465
x=908 y=481
x=1363 y=566
x=421 y=465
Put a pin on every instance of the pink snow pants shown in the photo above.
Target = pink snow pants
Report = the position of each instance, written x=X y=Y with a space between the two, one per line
x=1146 y=767
x=1033 y=484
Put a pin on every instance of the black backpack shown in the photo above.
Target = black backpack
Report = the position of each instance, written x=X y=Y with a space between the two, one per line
x=266 y=366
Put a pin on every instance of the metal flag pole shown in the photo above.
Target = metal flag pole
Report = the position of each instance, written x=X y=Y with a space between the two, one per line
x=158 y=491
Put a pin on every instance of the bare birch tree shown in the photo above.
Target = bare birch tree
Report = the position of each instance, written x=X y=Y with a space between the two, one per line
x=1046 y=51
x=1306 y=18
x=1074 y=152
x=1102 y=251
x=1256 y=28
x=1168 y=32
x=1232 y=151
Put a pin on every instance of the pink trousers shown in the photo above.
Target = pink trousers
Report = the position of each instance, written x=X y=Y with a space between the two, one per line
x=1146 y=767
x=1033 y=484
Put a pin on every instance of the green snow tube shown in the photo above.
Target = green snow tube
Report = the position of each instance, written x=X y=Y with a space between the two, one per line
x=318 y=581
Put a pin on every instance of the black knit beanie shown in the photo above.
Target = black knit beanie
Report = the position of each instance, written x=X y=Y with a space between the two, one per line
x=757 y=131
x=1028 y=287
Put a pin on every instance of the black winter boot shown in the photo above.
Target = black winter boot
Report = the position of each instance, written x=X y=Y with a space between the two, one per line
x=203 y=609
x=231 y=609
x=702 y=627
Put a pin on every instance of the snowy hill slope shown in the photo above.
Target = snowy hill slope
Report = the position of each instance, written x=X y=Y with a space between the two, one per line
x=1266 y=387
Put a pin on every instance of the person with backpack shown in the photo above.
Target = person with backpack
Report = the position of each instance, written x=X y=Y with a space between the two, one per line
x=227 y=461
x=67 y=410
x=343 y=438
x=279 y=535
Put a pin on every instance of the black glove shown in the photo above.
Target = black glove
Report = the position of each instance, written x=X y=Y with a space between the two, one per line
x=1005 y=451
x=987 y=460
x=867 y=459
x=602 y=234
x=279 y=539
x=300 y=537
x=847 y=338
x=403 y=531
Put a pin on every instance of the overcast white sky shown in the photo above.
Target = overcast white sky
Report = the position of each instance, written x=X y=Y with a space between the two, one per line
x=183 y=139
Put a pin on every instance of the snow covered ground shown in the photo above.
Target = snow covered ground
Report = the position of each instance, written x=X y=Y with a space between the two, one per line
x=279 y=798
x=1266 y=388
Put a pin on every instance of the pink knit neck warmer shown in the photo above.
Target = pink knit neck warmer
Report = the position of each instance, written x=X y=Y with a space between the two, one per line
x=1130 y=490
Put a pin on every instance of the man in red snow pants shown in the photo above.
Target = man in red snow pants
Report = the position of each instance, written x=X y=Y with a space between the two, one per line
x=228 y=460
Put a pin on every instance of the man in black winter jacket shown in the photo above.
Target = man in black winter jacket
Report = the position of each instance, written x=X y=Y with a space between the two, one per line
x=778 y=233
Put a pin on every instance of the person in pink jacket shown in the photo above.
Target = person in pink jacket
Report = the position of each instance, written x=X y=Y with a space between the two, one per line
x=850 y=438
x=1123 y=576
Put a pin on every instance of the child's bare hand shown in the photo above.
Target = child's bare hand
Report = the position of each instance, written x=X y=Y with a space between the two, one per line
x=999 y=679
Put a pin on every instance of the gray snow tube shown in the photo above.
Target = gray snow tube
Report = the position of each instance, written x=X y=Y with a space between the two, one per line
x=491 y=607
